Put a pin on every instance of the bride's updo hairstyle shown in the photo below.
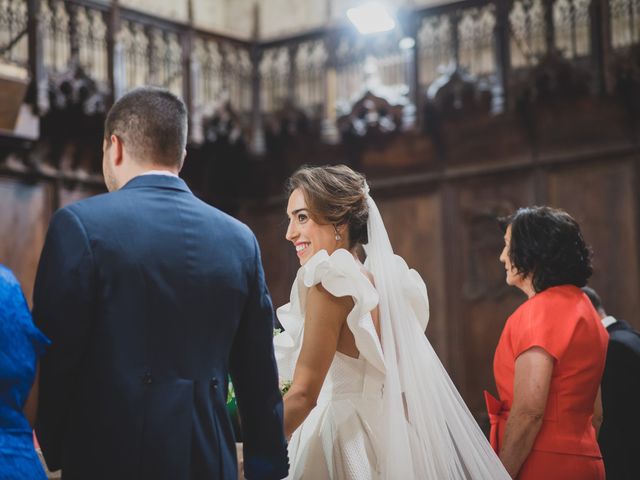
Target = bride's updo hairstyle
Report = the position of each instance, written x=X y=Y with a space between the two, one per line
x=335 y=195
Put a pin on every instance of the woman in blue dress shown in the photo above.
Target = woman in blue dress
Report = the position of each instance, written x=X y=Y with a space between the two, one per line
x=21 y=343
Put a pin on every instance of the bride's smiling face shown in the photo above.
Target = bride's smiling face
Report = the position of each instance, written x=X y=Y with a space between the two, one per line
x=307 y=236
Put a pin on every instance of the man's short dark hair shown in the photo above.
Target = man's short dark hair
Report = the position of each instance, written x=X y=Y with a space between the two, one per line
x=151 y=123
x=594 y=297
x=548 y=244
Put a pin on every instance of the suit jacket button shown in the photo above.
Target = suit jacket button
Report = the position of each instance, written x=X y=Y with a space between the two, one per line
x=147 y=379
x=214 y=383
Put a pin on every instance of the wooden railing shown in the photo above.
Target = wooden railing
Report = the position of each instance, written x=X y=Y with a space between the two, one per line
x=321 y=73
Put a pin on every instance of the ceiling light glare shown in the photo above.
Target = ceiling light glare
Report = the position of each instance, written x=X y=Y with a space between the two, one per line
x=371 y=17
x=407 y=43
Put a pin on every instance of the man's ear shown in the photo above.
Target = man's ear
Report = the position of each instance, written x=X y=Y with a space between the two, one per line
x=117 y=150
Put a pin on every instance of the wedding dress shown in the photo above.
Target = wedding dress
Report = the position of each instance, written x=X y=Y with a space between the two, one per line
x=392 y=413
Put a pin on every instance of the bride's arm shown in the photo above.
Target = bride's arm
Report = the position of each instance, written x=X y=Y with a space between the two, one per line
x=324 y=318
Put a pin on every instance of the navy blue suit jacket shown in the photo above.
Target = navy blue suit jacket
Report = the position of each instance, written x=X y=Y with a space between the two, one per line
x=618 y=437
x=151 y=298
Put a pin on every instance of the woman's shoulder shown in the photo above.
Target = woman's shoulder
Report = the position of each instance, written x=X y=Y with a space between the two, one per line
x=549 y=320
x=554 y=299
x=544 y=309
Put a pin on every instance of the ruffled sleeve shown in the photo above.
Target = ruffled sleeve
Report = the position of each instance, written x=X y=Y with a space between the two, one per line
x=340 y=275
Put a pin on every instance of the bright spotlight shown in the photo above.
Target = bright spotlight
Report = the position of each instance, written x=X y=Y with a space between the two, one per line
x=407 y=43
x=371 y=17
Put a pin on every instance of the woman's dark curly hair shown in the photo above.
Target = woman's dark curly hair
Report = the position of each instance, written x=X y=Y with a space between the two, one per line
x=334 y=194
x=548 y=244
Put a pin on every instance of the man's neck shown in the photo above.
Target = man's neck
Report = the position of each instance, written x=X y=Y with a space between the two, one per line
x=169 y=173
x=140 y=167
x=149 y=169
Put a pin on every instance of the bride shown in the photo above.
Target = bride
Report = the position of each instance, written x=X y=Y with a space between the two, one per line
x=369 y=398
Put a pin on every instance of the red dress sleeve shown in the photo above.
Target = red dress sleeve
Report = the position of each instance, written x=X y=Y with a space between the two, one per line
x=545 y=324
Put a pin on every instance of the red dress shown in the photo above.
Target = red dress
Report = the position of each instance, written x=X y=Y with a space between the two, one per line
x=562 y=321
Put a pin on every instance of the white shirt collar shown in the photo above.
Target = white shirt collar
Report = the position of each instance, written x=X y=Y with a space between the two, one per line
x=166 y=173
x=608 y=321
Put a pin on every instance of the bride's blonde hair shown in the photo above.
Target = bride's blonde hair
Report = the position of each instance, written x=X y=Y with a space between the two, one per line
x=335 y=194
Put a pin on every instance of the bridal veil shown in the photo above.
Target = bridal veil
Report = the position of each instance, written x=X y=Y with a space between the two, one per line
x=440 y=439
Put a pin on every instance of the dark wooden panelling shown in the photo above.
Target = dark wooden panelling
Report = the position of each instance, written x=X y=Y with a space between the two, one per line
x=414 y=225
x=410 y=151
x=466 y=139
x=580 y=126
x=478 y=298
x=24 y=215
x=601 y=197
x=24 y=218
x=278 y=255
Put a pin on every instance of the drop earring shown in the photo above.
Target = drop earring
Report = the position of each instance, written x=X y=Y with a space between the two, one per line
x=338 y=236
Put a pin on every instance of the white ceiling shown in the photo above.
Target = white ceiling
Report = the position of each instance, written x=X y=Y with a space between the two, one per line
x=276 y=17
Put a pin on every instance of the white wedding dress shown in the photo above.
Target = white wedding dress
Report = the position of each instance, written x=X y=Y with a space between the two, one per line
x=340 y=439
x=392 y=413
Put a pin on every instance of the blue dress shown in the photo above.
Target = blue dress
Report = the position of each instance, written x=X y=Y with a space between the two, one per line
x=21 y=343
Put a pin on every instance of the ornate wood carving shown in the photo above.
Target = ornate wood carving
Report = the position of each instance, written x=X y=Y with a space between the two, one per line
x=558 y=111
x=217 y=168
x=459 y=106
x=71 y=131
x=626 y=74
x=372 y=117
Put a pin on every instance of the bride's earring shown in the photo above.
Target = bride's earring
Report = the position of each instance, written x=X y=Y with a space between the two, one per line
x=338 y=236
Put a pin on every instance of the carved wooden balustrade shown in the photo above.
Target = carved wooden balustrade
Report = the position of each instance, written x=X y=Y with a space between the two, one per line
x=291 y=93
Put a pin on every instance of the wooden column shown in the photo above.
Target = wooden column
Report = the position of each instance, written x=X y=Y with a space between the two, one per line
x=455 y=41
x=550 y=34
x=152 y=49
x=188 y=80
x=40 y=99
x=292 y=82
x=602 y=11
x=330 y=133
x=410 y=56
x=503 y=50
x=257 y=140
x=114 y=64
x=74 y=41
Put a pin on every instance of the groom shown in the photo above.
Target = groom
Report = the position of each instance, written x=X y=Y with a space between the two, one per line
x=151 y=299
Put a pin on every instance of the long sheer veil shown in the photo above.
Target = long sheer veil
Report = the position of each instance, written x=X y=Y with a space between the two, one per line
x=439 y=439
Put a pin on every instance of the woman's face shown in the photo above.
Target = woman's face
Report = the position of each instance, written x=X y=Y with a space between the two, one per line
x=307 y=236
x=514 y=278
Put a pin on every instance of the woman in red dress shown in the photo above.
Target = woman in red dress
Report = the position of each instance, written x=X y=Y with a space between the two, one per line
x=550 y=357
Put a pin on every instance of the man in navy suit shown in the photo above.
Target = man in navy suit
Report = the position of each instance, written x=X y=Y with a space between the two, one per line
x=151 y=299
x=618 y=437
